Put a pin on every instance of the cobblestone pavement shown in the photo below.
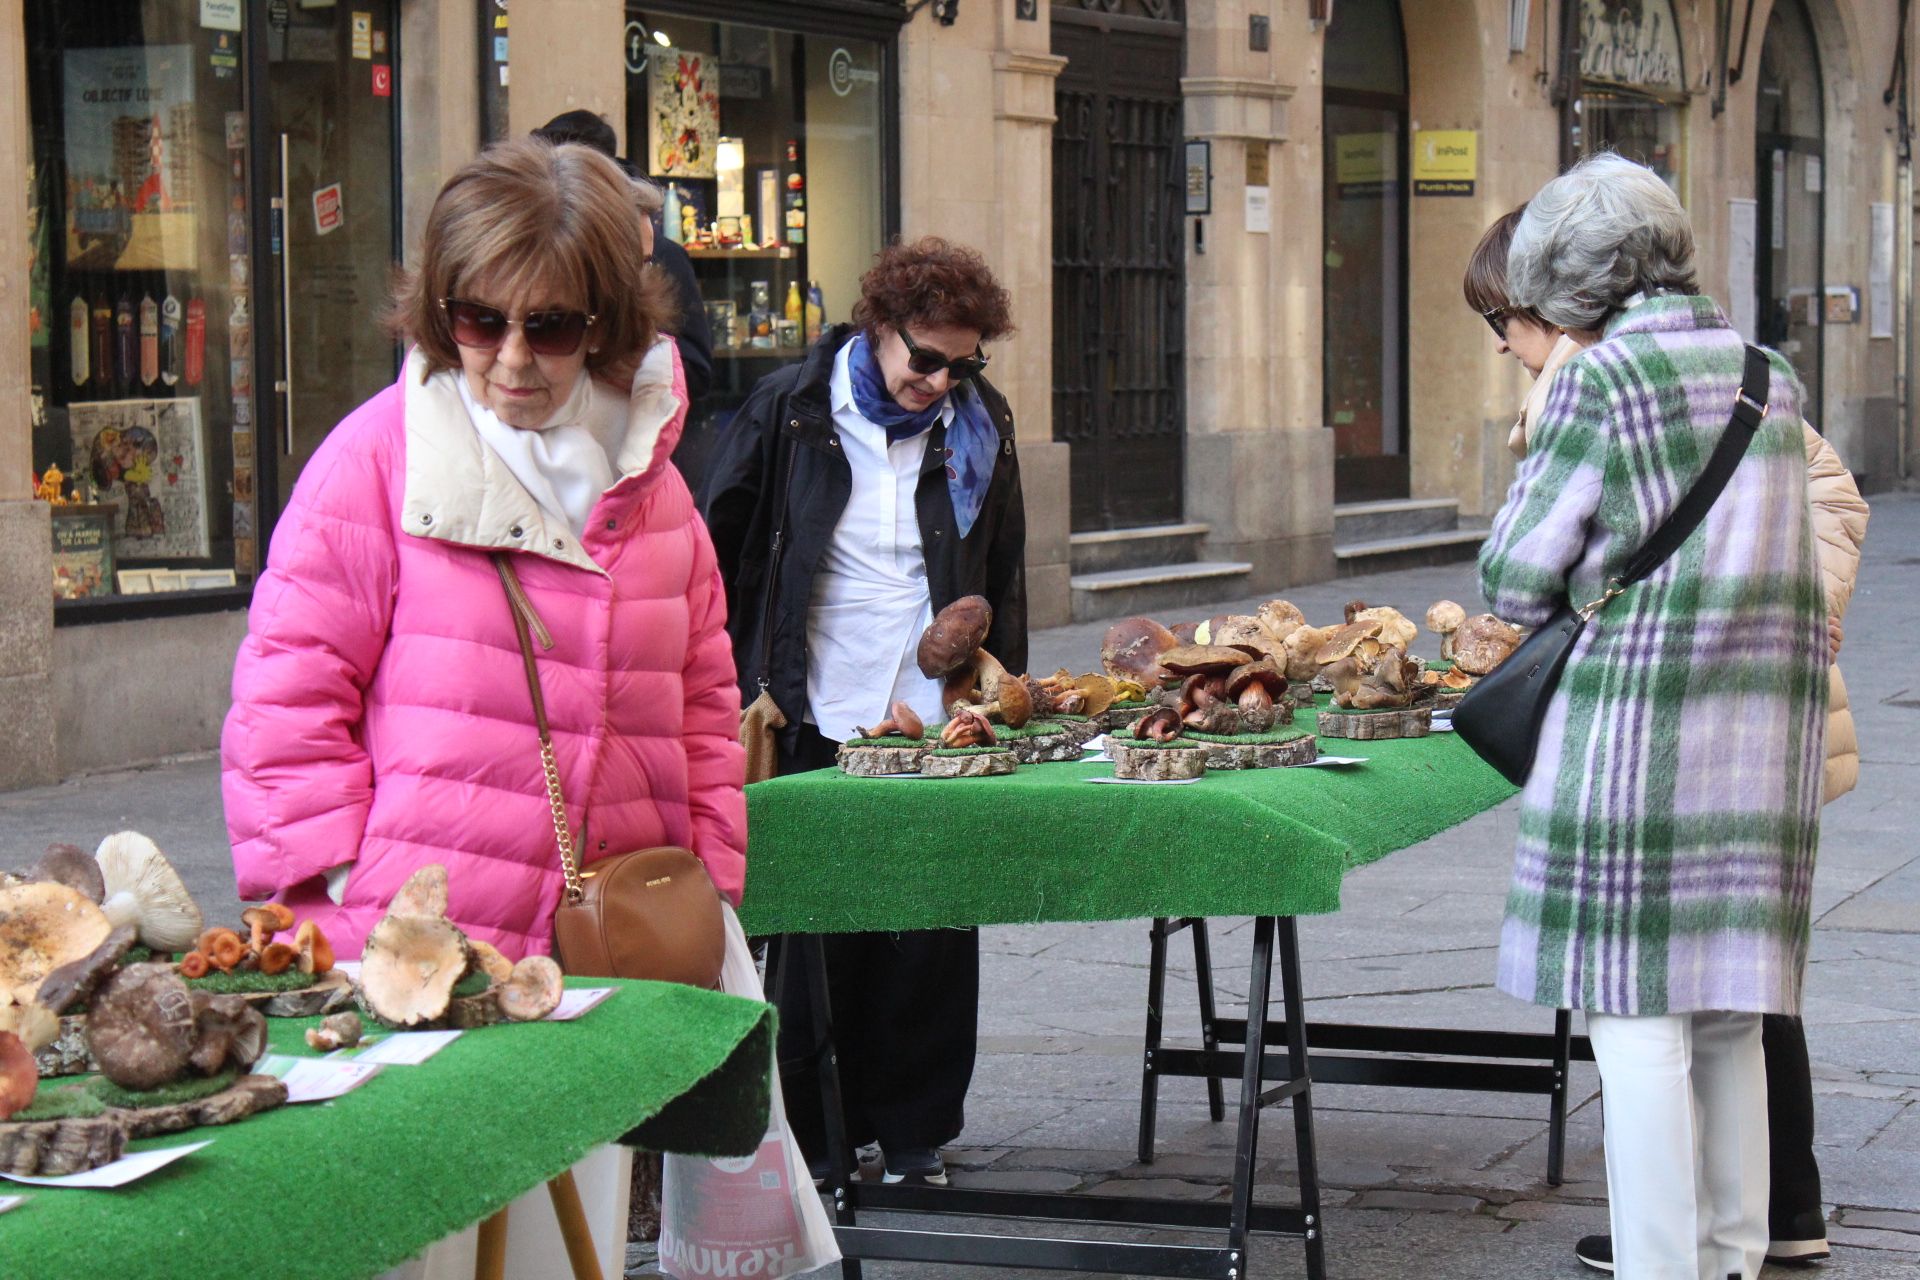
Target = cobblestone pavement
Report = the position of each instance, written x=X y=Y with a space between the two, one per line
x=1417 y=1183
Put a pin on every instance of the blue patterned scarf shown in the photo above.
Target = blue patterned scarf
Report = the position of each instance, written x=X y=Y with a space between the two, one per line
x=971 y=438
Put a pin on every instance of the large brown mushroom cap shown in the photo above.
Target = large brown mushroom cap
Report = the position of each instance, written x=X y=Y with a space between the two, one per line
x=1395 y=627
x=1281 y=618
x=410 y=968
x=1099 y=691
x=1347 y=639
x=141 y=1027
x=953 y=636
x=143 y=890
x=228 y=1030
x=1197 y=659
x=1131 y=650
x=44 y=925
x=69 y=865
x=1245 y=633
x=1302 y=644
x=1482 y=643
x=75 y=980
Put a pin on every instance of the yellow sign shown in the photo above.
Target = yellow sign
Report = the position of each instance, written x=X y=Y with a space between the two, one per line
x=1445 y=162
x=1360 y=158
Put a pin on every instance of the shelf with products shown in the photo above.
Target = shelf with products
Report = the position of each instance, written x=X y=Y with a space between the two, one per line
x=760 y=253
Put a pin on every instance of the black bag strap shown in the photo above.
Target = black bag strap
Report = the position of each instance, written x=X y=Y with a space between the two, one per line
x=783 y=451
x=1749 y=410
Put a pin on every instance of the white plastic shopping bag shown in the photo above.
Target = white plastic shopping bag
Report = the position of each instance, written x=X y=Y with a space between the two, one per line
x=749 y=1216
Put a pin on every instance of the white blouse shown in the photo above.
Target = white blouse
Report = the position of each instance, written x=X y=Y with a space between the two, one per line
x=870 y=600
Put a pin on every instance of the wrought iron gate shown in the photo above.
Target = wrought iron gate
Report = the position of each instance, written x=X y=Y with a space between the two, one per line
x=1119 y=260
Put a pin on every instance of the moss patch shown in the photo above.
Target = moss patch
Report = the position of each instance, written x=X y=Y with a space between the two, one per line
x=1375 y=711
x=67 y=1100
x=1148 y=744
x=891 y=740
x=251 y=982
x=472 y=985
x=165 y=1096
x=969 y=751
x=1271 y=737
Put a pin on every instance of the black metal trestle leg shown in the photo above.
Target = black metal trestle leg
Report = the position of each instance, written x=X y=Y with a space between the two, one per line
x=1246 y=1145
x=1557 y=1107
x=1292 y=992
x=1149 y=1073
x=1209 y=1038
x=840 y=1161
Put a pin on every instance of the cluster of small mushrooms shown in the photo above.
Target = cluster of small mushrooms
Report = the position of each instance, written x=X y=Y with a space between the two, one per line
x=227 y=951
x=416 y=960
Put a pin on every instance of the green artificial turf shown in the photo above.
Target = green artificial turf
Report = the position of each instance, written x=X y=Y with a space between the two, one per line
x=188 y=1089
x=61 y=1099
x=968 y=751
x=250 y=982
x=891 y=740
x=830 y=853
x=354 y=1187
x=1271 y=737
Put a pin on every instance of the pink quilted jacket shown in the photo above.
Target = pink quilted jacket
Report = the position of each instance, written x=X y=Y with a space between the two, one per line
x=380 y=710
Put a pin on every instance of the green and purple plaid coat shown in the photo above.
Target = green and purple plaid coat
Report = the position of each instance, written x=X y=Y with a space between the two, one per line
x=1668 y=831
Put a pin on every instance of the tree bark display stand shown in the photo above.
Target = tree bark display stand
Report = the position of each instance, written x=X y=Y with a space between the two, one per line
x=868 y=761
x=1153 y=762
x=968 y=763
x=1373 y=726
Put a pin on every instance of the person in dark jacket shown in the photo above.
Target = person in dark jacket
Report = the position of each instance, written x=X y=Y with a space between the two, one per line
x=886 y=464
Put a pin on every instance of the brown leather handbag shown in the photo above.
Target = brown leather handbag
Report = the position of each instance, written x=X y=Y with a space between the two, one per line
x=652 y=913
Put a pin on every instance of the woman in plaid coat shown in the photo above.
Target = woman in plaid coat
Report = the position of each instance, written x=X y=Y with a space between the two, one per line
x=1667 y=833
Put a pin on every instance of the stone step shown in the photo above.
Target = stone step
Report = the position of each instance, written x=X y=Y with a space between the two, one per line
x=1164 y=592
x=1394 y=518
x=1141 y=547
x=1411 y=551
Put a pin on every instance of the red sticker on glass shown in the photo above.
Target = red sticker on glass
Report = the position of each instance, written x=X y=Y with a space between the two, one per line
x=382 y=80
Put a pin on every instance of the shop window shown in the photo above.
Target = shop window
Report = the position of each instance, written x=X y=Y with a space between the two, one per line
x=1633 y=85
x=771 y=147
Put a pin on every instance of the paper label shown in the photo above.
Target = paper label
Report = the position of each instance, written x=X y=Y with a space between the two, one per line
x=316 y=1079
x=327 y=212
x=362 y=35
x=1331 y=762
x=11 y=1202
x=1145 y=782
x=404 y=1048
x=118 y=1174
x=1260 y=209
x=579 y=1001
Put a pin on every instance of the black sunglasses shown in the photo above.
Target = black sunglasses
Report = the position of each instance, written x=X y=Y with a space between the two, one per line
x=927 y=363
x=548 y=333
x=1496 y=318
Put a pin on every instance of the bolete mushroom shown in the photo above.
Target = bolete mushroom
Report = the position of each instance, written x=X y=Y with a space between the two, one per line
x=143 y=890
x=532 y=991
x=1245 y=633
x=1395 y=627
x=44 y=925
x=1255 y=688
x=227 y=1031
x=69 y=865
x=1302 y=644
x=75 y=980
x=19 y=1075
x=953 y=636
x=141 y=1028
x=264 y=921
x=968 y=728
x=1131 y=650
x=1443 y=619
x=1199 y=659
x=1482 y=643
x=423 y=894
x=1361 y=638
x=1002 y=696
x=903 y=721
x=315 y=953
x=340 y=1030
x=1280 y=618
x=1162 y=724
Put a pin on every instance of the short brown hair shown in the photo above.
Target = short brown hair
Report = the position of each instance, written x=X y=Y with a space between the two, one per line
x=526 y=211
x=1485 y=283
x=935 y=283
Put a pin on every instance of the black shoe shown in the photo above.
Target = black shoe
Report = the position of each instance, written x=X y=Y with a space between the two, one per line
x=821 y=1171
x=916 y=1164
x=1596 y=1252
x=1799 y=1239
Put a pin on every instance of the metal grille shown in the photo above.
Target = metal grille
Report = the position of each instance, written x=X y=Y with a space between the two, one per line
x=1119 y=265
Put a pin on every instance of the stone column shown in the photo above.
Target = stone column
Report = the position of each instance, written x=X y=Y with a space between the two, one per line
x=1259 y=459
x=439 y=103
x=27 y=745
x=567 y=57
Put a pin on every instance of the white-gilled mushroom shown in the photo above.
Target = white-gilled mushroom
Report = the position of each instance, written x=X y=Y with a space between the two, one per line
x=410 y=967
x=44 y=925
x=532 y=991
x=143 y=890
x=1444 y=619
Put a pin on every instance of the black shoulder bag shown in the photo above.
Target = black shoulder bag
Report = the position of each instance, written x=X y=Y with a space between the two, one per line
x=1501 y=714
x=761 y=718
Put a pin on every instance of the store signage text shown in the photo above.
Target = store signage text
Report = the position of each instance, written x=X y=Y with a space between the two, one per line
x=1446 y=162
x=844 y=76
x=1631 y=42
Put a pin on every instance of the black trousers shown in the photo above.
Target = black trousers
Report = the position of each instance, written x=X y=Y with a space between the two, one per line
x=905 y=1012
x=1796 y=1175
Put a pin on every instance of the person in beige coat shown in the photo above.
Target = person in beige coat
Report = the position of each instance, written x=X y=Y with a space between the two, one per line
x=1796 y=1221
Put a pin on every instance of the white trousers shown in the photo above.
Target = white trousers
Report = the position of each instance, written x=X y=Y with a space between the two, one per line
x=1685 y=1100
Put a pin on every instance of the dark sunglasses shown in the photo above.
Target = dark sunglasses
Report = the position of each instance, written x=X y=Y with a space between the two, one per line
x=927 y=363
x=1496 y=319
x=548 y=333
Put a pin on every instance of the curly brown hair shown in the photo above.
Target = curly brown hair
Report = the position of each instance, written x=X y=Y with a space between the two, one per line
x=1485 y=282
x=935 y=284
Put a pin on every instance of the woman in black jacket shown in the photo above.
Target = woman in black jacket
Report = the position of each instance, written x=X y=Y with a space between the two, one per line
x=879 y=478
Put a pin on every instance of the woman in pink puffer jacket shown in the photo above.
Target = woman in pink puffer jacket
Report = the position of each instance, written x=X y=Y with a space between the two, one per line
x=381 y=718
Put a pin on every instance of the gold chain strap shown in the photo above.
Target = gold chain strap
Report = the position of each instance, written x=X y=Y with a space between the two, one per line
x=569 y=864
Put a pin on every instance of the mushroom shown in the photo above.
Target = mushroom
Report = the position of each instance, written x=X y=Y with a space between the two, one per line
x=532 y=991
x=340 y=1030
x=194 y=965
x=264 y=921
x=1302 y=643
x=223 y=949
x=1345 y=676
x=35 y=1024
x=488 y=960
x=953 y=636
x=1280 y=618
x=1443 y=619
x=1395 y=627
x=75 y=980
x=228 y=1031
x=1197 y=659
x=277 y=957
x=71 y=866
x=1255 y=687
x=143 y=890
x=1361 y=638
x=903 y=721
x=1162 y=724
x=1186 y=632
x=968 y=728
x=423 y=894
x=1131 y=650
x=1097 y=693
x=1002 y=696
x=315 y=953
x=1216 y=716
x=410 y=968
x=44 y=925
x=1482 y=643
x=1245 y=633
x=1361 y=685
x=19 y=1075
x=141 y=1028
x=1354 y=609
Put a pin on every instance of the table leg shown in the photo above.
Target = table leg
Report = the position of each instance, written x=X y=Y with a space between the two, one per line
x=1149 y=1073
x=573 y=1227
x=1557 y=1107
x=1292 y=992
x=840 y=1162
x=490 y=1258
x=1209 y=1038
x=1247 y=1144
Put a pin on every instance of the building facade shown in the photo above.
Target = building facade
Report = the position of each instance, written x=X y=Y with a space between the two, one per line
x=1233 y=230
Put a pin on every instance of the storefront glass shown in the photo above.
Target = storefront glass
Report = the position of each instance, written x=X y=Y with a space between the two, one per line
x=772 y=148
x=1633 y=84
x=156 y=307
x=1789 y=184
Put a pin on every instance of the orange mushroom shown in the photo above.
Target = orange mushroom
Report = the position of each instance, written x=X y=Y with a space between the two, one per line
x=223 y=949
x=264 y=921
x=193 y=965
x=315 y=952
x=277 y=957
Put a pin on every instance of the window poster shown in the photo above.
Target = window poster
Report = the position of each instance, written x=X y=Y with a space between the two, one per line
x=130 y=159
x=683 y=126
x=145 y=461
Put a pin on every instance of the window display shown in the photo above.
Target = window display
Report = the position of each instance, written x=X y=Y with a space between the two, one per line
x=1633 y=85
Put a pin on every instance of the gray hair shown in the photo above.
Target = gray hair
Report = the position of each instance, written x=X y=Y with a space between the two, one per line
x=1594 y=237
x=649 y=197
